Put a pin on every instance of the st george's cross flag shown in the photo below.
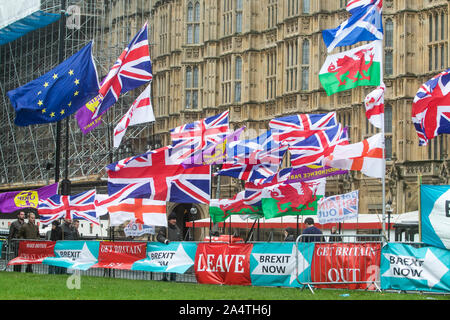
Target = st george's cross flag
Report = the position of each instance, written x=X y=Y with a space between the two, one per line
x=190 y=139
x=431 y=108
x=346 y=70
x=58 y=93
x=132 y=69
x=365 y=24
x=374 y=103
x=141 y=111
x=163 y=177
x=365 y=156
x=148 y=212
x=79 y=206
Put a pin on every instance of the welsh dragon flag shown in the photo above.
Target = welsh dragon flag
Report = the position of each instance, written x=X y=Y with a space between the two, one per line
x=221 y=209
x=360 y=66
x=300 y=198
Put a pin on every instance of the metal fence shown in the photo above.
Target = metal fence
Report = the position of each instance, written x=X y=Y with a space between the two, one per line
x=10 y=251
x=339 y=271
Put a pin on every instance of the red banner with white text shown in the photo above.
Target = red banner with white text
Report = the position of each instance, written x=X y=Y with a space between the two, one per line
x=120 y=255
x=346 y=262
x=218 y=263
x=33 y=252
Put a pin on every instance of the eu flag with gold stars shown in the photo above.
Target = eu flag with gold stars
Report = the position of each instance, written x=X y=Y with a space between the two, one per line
x=58 y=93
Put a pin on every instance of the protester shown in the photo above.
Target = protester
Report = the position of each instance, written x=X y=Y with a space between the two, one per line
x=68 y=230
x=76 y=233
x=289 y=234
x=311 y=233
x=171 y=233
x=30 y=231
x=55 y=235
x=334 y=235
x=14 y=234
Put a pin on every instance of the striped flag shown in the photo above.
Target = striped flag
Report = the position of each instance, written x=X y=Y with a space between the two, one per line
x=141 y=111
x=80 y=206
x=374 y=103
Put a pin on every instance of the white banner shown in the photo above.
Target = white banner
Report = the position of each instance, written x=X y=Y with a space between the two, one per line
x=338 y=208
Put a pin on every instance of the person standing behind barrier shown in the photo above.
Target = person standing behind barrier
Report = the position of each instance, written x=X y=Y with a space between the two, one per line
x=68 y=230
x=171 y=233
x=55 y=235
x=76 y=225
x=335 y=237
x=30 y=231
x=14 y=234
x=289 y=234
x=311 y=233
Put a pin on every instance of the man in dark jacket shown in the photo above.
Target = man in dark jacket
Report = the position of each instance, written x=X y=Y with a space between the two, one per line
x=289 y=234
x=67 y=230
x=14 y=234
x=30 y=231
x=311 y=233
x=171 y=233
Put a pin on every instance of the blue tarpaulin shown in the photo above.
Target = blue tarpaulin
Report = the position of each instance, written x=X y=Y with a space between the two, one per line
x=29 y=23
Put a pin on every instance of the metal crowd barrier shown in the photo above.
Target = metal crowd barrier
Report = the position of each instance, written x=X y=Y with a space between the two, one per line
x=10 y=251
x=347 y=278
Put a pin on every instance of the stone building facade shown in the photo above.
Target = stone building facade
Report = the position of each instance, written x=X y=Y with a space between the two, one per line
x=261 y=59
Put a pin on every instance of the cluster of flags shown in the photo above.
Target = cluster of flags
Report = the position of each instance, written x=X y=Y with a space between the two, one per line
x=72 y=87
x=140 y=186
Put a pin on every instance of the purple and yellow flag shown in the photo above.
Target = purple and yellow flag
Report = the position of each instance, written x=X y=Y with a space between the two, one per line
x=16 y=200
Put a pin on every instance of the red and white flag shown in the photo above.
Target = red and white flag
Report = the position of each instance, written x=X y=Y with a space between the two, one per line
x=374 y=103
x=145 y=211
x=141 y=111
x=365 y=156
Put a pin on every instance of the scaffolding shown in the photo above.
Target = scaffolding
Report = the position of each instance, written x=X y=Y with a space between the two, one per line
x=27 y=154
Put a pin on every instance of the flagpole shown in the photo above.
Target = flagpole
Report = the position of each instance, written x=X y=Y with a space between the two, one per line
x=65 y=185
x=383 y=177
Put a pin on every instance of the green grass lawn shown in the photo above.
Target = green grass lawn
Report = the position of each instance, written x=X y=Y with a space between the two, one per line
x=23 y=286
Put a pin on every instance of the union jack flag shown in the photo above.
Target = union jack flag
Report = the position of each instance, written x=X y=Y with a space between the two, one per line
x=359 y=4
x=316 y=147
x=190 y=139
x=162 y=177
x=254 y=159
x=132 y=69
x=298 y=127
x=80 y=206
x=431 y=108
